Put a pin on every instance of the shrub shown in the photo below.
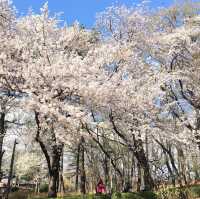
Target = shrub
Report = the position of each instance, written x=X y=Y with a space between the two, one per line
x=148 y=195
x=131 y=196
x=43 y=188
x=169 y=193
x=180 y=193
x=195 y=190
x=25 y=177
x=116 y=195
x=14 y=189
x=100 y=197
x=142 y=195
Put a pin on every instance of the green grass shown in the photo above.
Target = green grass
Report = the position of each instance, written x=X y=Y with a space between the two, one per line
x=143 y=195
x=89 y=196
x=168 y=193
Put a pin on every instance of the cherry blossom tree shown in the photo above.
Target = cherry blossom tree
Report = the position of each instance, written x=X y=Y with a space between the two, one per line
x=130 y=82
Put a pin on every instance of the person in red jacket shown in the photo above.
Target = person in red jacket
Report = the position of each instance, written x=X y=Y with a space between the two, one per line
x=100 y=188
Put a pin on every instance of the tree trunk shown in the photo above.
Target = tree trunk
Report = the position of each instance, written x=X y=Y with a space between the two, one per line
x=107 y=154
x=53 y=179
x=11 y=170
x=139 y=180
x=54 y=173
x=106 y=171
x=168 y=150
x=53 y=156
x=2 y=134
x=138 y=151
x=144 y=165
x=182 y=164
x=133 y=167
x=61 y=187
x=172 y=176
x=172 y=160
x=82 y=169
x=77 y=167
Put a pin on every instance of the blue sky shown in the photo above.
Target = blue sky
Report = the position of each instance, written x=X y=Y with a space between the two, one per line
x=82 y=10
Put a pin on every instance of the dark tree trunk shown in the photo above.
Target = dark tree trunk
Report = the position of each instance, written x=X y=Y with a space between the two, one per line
x=53 y=180
x=107 y=154
x=139 y=153
x=147 y=146
x=182 y=164
x=53 y=156
x=139 y=178
x=61 y=187
x=82 y=169
x=54 y=169
x=172 y=176
x=171 y=157
x=144 y=165
x=11 y=170
x=168 y=150
x=126 y=171
x=106 y=171
x=2 y=135
x=148 y=181
x=132 y=171
x=77 y=167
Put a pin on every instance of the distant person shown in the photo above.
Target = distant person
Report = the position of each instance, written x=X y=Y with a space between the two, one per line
x=100 y=188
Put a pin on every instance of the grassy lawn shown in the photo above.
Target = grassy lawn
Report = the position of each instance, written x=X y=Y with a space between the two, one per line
x=170 y=193
x=24 y=195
